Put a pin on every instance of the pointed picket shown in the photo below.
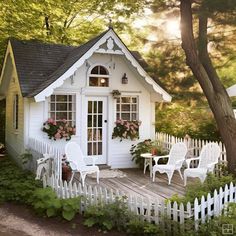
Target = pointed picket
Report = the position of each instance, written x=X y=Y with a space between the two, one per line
x=203 y=207
x=181 y=213
x=216 y=204
x=175 y=211
x=196 y=213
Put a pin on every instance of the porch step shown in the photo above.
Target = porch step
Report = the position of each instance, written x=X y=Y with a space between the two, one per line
x=104 y=167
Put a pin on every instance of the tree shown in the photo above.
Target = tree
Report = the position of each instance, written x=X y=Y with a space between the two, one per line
x=62 y=21
x=198 y=59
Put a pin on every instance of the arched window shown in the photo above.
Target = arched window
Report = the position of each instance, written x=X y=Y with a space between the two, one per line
x=99 y=77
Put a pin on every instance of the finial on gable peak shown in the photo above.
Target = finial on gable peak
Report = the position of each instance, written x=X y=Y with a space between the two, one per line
x=110 y=24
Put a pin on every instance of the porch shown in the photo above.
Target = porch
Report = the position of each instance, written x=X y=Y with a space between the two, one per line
x=134 y=182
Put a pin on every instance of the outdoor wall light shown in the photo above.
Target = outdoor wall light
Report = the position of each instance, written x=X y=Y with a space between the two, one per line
x=124 y=79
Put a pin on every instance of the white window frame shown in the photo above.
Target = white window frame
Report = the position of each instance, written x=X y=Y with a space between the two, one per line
x=130 y=112
x=98 y=75
x=73 y=107
x=16 y=111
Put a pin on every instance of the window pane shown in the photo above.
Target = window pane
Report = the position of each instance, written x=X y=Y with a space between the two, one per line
x=99 y=134
x=89 y=149
x=94 y=121
x=134 y=107
x=89 y=121
x=94 y=70
x=52 y=107
x=70 y=98
x=61 y=98
x=93 y=81
x=99 y=148
x=95 y=107
x=99 y=120
x=134 y=116
x=125 y=116
x=90 y=135
x=61 y=106
x=100 y=107
x=61 y=115
x=94 y=148
x=117 y=107
x=118 y=116
x=118 y=100
x=103 y=82
x=125 y=107
x=134 y=100
x=90 y=107
x=103 y=71
x=125 y=99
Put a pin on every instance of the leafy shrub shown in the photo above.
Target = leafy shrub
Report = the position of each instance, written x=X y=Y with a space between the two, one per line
x=110 y=216
x=198 y=189
x=45 y=201
x=138 y=227
x=144 y=147
x=16 y=184
x=70 y=207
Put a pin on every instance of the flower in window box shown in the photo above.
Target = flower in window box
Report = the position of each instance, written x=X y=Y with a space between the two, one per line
x=126 y=129
x=58 y=129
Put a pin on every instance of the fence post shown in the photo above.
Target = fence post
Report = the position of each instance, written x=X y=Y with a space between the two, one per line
x=196 y=212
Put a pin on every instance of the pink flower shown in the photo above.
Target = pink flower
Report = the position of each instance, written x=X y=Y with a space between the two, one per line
x=50 y=121
x=57 y=136
x=64 y=120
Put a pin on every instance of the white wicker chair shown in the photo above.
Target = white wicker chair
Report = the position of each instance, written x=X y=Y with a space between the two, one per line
x=208 y=158
x=75 y=157
x=176 y=158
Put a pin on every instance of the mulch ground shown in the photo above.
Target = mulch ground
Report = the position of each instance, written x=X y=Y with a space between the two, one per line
x=20 y=220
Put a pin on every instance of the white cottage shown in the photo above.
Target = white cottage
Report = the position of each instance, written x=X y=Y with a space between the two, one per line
x=41 y=81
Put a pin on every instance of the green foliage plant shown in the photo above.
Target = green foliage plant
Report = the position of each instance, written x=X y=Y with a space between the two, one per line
x=108 y=216
x=138 y=227
x=145 y=146
x=15 y=184
x=70 y=207
x=136 y=151
x=45 y=201
x=198 y=189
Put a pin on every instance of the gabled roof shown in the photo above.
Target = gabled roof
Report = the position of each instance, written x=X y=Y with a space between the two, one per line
x=42 y=66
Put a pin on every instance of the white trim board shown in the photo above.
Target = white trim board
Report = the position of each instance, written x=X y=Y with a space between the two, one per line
x=110 y=34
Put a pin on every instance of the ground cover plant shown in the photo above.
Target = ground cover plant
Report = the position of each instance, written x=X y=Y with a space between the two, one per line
x=198 y=189
x=15 y=184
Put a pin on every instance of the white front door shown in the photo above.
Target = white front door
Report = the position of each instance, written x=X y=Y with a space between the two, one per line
x=96 y=129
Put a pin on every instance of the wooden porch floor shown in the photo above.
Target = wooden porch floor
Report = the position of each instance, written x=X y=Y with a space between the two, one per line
x=141 y=185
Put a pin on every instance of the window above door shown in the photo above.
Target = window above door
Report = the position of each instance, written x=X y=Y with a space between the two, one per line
x=99 y=77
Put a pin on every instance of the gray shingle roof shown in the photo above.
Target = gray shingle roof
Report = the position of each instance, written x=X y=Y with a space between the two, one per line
x=40 y=64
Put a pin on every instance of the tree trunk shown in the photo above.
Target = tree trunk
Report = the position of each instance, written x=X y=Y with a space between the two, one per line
x=202 y=68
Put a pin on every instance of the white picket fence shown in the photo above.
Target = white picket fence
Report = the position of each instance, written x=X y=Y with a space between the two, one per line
x=145 y=208
x=194 y=145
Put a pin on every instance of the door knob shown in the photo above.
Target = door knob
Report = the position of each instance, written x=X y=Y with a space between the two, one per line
x=105 y=121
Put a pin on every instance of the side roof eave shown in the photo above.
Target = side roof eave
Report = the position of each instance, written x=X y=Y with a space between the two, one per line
x=110 y=33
